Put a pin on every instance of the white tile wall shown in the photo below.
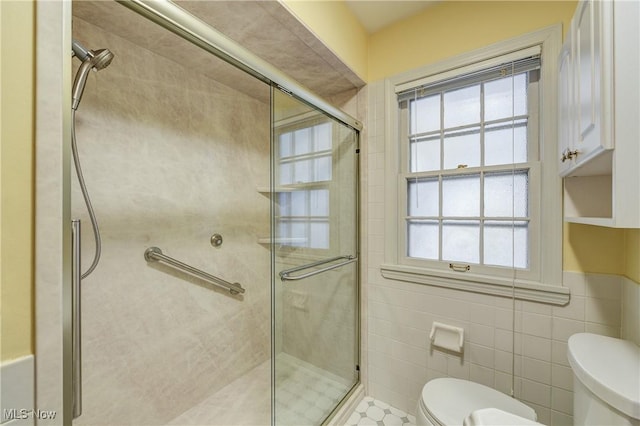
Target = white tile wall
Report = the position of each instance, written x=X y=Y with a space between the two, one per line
x=400 y=315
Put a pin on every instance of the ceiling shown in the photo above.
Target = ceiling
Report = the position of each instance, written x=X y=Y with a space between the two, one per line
x=377 y=14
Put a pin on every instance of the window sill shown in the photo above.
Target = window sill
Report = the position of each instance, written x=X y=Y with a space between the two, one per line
x=495 y=286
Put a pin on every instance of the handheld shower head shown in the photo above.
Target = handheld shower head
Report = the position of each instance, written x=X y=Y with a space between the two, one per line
x=101 y=58
x=98 y=59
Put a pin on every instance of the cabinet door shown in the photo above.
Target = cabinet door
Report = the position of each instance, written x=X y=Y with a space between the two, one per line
x=588 y=69
x=566 y=122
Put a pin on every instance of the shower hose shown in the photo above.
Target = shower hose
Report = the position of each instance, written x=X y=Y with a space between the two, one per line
x=85 y=195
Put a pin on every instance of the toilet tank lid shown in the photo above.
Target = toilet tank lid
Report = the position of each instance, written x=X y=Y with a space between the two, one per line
x=450 y=400
x=608 y=367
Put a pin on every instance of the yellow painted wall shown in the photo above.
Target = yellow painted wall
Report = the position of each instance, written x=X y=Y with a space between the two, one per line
x=602 y=250
x=594 y=249
x=335 y=24
x=632 y=254
x=453 y=27
x=17 y=52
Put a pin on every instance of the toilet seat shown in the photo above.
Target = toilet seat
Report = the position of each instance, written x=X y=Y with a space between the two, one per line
x=447 y=401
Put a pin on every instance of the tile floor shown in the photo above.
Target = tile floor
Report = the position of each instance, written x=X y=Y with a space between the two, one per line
x=371 y=412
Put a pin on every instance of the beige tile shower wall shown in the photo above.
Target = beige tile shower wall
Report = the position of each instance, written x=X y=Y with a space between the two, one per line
x=400 y=315
x=170 y=157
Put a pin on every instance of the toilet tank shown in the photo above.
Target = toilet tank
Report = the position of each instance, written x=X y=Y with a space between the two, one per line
x=606 y=375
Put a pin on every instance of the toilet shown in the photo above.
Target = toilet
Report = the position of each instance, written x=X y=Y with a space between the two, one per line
x=606 y=380
x=606 y=391
x=449 y=401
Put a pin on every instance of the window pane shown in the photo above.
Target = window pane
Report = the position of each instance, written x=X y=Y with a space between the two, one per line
x=322 y=136
x=283 y=229
x=284 y=202
x=422 y=239
x=461 y=241
x=461 y=196
x=462 y=107
x=322 y=169
x=462 y=149
x=506 y=97
x=500 y=197
x=319 y=202
x=425 y=154
x=306 y=156
x=319 y=237
x=302 y=171
x=505 y=143
x=299 y=234
x=425 y=114
x=299 y=203
x=285 y=145
x=292 y=232
x=506 y=244
x=286 y=173
x=423 y=197
x=302 y=141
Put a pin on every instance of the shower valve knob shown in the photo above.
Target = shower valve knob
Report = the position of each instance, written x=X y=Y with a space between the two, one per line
x=216 y=240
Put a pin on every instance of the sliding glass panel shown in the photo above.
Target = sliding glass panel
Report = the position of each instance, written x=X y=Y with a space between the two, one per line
x=175 y=148
x=314 y=246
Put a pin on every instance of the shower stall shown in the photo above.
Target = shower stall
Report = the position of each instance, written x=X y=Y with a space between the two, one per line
x=226 y=197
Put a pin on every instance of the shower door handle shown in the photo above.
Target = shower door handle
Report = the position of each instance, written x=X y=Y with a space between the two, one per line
x=76 y=337
x=286 y=274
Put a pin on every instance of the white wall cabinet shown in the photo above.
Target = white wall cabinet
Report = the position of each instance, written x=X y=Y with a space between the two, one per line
x=565 y=107
x=599 y=114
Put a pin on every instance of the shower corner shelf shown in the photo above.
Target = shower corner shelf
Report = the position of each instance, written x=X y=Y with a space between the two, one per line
x=266 y=190
x=300 y=186
x=287 y=241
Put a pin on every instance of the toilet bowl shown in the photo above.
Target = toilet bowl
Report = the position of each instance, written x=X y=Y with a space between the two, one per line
x=448 y=401
x=495 y=417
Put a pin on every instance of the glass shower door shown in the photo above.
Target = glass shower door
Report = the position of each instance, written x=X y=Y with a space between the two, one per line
x=315 y=249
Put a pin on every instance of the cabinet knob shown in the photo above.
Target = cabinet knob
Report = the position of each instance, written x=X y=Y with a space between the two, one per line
x=568 y=155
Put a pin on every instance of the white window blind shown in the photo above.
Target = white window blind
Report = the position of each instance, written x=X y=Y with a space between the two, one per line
x=522 y=56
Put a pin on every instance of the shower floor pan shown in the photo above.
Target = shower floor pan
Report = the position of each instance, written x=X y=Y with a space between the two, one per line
x=304 y=394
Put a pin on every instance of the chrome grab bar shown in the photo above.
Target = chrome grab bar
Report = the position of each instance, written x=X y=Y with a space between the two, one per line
x=154 y=254
x=284 y=275
x=76 y=315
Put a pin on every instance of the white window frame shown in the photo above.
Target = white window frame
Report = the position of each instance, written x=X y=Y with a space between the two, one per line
x=543 y=283
x=531 y=166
